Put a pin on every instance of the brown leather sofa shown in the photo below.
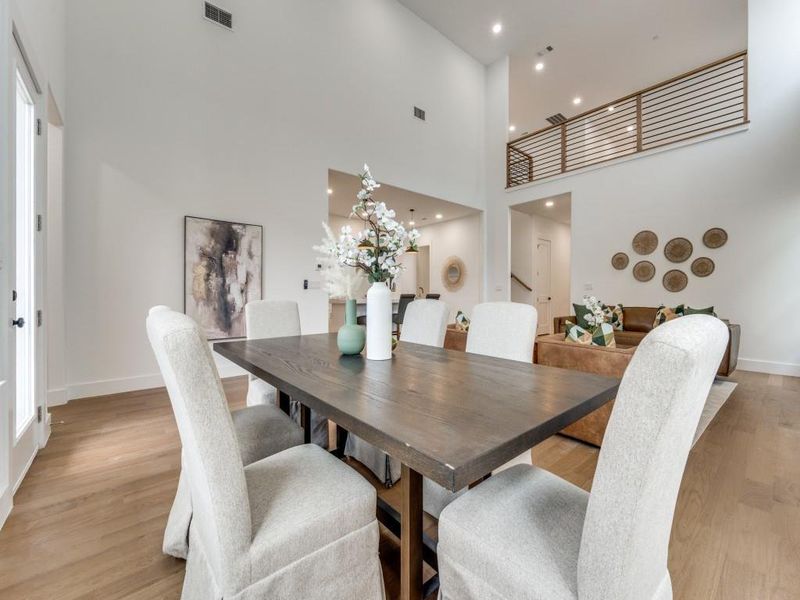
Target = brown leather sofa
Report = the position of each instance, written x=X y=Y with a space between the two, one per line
x=637 y=322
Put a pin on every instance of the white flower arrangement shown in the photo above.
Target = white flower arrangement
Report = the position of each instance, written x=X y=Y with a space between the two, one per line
x=340 y=281
x=375 y=250
x=597 y=316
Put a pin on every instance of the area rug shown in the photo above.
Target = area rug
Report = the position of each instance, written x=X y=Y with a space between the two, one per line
x=721 y=390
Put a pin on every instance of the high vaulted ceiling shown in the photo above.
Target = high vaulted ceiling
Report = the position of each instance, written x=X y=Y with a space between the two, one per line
x=602 y=50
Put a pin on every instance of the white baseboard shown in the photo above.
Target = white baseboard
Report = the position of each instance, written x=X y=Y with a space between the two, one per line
x=57 y=397
x=6 y=504
x=765 y=366
x=24 y=472
x=106 y=387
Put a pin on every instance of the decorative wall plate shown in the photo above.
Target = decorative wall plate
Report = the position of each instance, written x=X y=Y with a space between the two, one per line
x=453 y=274
x=620 y=261
x=703 y=266
x=644 y=271
x=645 y=242
x=678 y=250
x=715 y=237
x=675 y=280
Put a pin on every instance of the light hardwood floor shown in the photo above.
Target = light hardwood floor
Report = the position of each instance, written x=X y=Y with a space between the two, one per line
x=89 y=517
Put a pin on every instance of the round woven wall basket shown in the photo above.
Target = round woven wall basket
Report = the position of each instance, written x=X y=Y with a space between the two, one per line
x=675 y=280
x=678 y=250
x=645 y=242
x=716 y=237
x=644 y=271
x=620 y=261
x=702 y=267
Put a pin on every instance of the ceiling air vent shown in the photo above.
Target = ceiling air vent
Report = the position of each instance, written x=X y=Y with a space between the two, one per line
x=419 y=113
x=556 y=119
x=219 y=16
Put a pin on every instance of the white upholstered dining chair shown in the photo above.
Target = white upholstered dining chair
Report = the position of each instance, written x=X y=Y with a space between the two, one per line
x=424 y=322
x=261 y=431
x=527 y=533
x=271 y=319
x=298 y=524
x=502 y=330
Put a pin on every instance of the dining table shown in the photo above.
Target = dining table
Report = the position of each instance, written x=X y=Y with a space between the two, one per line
x=447 y=415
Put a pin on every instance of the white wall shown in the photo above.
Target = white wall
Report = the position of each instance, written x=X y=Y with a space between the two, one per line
x=461 y=238
x=747 y=183
x=54 y=286
x=526 y=229
x=177 y=116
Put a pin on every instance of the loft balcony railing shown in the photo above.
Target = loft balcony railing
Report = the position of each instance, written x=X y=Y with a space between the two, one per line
x=698 y=103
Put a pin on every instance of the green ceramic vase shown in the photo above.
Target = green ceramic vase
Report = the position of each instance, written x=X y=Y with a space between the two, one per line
x=351 y=337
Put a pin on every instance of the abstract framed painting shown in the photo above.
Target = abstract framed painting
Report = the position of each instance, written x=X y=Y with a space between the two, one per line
x=222 y=273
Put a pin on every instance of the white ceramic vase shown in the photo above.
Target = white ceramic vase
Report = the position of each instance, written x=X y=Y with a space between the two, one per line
x=379 y=322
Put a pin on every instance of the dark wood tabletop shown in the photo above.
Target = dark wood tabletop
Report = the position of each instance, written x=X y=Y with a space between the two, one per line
x=452 y=416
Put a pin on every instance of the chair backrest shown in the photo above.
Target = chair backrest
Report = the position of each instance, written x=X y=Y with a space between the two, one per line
x=503 y=329
x=425 y=323
x=220 y=505
x=402 y=305
x=626 y=533
x=271 y=319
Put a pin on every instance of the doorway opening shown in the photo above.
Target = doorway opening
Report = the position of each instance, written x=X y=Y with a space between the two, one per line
x=540 y=232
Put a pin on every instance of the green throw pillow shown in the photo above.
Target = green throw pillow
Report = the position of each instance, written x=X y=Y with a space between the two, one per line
x=580 y=315
x=699 y=311
x=576 y=334
x=665 y=314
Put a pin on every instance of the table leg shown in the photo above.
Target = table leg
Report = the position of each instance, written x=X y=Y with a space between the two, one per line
x=283 y=401
x=411 y=535
x=305 y=423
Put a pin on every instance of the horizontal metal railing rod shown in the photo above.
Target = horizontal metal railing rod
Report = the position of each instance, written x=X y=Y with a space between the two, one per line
x=534 y=143
x=718 y=71
x=702 y=131
x=603 y=116
x=735 y=91
x=672 y=134
x=698 y=112
x=737 y=80
x=623 y=116
x=596 y=135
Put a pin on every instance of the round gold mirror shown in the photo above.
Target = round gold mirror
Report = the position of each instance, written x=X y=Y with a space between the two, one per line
x=453 y=274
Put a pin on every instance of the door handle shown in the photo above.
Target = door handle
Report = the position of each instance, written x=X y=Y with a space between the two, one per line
x=20 y=322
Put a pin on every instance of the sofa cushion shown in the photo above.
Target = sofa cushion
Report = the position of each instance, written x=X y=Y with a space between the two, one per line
x=639 y=318
x=598 y=336
x=665 y=313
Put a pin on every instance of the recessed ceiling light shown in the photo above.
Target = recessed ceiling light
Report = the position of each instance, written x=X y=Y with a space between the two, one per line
x=512 y=128
x=630 y=127
x=330 y=191
x=576 y=100
x=412 y=223
x=610 y=109
x=497 y=28
x=539 y=66
x=439 y=215
x=549 y=203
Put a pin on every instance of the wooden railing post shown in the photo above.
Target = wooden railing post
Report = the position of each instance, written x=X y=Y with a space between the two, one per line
x=564 y=148
x=638 y=122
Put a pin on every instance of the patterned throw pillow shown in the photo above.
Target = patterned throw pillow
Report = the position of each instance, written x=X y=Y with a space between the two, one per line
x=601 y=336
x=614 y=316
x=665 y=314
x=699 y=311
x=577 y=334
x=462 y=321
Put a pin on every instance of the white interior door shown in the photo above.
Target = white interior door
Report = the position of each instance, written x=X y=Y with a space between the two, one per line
x=423 y=271
x=541 y=286
x=25 y=347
